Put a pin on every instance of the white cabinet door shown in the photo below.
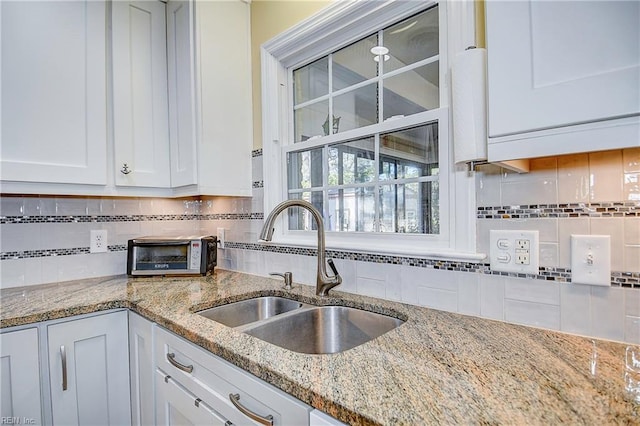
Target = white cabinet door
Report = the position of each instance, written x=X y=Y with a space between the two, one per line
x=20 y=396
x=179 y=407
x=53 y=121
x=318 y=418
x=142 y=366
x=140 y=110
x=210 y=105
x=181 y=73
x=89 y=369
x=225 y=123
x=556 y=64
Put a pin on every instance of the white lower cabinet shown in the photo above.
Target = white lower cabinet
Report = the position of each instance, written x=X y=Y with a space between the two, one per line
x=178 y=406
x=20 y=396
x=236 y=396
x=89 y=370
x=318 y=418
x=142 y=370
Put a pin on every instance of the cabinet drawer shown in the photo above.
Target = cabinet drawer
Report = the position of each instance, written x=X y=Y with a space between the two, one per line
x=214 y=381
x=178 y=406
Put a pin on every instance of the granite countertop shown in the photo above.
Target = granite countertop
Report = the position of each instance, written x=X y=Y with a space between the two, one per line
x=438 y=367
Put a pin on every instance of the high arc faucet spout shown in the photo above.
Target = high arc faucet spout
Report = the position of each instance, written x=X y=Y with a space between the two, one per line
x=324 y=282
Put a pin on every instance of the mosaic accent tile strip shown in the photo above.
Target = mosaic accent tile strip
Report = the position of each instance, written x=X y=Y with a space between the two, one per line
x=128 y=218
x=612 y=209
x=618 y=279
x=258 y=184
x=232 y=216
x=256 y=152
x=29 y=254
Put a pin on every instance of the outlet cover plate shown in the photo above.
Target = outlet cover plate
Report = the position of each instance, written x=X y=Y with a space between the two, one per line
x=514 y=251
x=98 y=243
x=591 y=259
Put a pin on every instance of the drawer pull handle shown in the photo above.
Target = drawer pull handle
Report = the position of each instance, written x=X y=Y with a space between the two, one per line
x=63 y=357
x=235 y=400
x=171 y=357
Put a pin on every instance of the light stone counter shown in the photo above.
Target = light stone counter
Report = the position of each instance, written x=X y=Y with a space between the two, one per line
x=437 y=368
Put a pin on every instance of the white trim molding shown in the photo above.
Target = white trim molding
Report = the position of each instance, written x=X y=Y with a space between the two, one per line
x=338 y=25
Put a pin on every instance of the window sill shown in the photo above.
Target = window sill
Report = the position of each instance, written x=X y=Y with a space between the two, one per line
x=415 y=250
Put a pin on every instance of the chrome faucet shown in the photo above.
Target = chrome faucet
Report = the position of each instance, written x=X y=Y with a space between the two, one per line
x=324 y=283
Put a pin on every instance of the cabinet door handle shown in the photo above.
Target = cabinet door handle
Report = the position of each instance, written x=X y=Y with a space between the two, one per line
x=235 y=400
x=171 y=357
x=63 y=357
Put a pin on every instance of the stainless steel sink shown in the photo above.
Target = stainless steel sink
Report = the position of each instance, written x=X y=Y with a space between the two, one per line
x=324 y=330
x=247 y=311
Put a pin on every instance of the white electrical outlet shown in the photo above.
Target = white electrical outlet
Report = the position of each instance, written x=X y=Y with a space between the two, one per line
x=591 y=259
x=221 y=239
x=514 y=251
x=98 y=243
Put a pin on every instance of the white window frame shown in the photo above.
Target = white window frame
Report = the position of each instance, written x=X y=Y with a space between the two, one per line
x=338 y=25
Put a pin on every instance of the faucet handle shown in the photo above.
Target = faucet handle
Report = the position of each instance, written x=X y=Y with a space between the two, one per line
x=288 y=278
x=333 y=267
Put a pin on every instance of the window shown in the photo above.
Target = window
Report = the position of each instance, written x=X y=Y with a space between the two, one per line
x=357 y=123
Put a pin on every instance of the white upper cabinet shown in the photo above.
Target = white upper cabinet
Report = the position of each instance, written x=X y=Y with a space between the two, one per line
x=140 y=111
x=166 y=111
x=181 y=75
x=563 y=77
x=54 y=90
x=209 y=55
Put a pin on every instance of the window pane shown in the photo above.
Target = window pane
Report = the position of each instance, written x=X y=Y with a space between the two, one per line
x=304 y=169
x=409 y=153
x=355 y=109
x=300 y=219
x=354 y=64
x=409 y=208
x=311 y=81
x=311 y=120
x=352 y=162
x=412 y=92
x=351 y=209
x=412 y=40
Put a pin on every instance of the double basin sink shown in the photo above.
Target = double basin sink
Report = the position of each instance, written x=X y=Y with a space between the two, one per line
x=301 y=327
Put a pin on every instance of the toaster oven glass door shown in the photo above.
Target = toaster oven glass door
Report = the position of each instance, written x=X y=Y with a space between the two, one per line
x=160 y=257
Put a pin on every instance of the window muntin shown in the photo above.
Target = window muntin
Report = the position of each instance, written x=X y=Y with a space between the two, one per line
x=362 y=86
x=388 y=182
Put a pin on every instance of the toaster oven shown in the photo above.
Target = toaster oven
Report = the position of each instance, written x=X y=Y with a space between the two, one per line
x=193 y=255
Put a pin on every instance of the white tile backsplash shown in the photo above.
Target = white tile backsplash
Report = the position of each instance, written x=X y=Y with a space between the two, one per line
x=20 y=237
x=614 y=227
x=534 y=314
x=539 y=191
x=371 y=287
x=573 y=178
x=436 y=298
x=605 y=176
x=468 y=294
x=607 y=312
x=575 y=309
x=538 y=291
x=567 y=227
x=632 y=329
x=492 y=297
